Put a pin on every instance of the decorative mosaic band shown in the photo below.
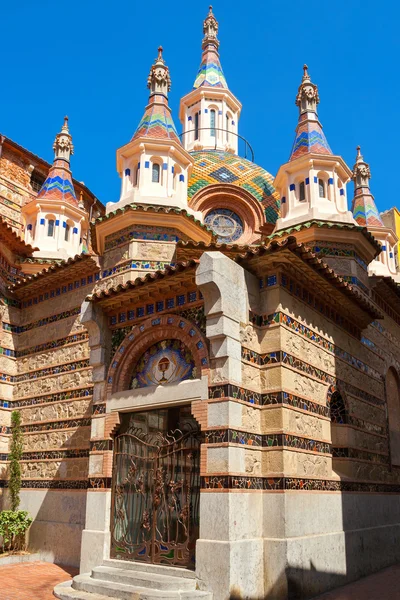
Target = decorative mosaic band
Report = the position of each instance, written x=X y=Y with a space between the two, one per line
x=60 y=343
x=295 y=288
x=324 y=248
x=98 y=483
x=356 y=454
x=41 y=322
x=299 y=328
x=154 y=265
x=280 y=440
x=55 y=370
x=56 y=454
x=152 y=308
x=232 y=391
x=98 y=409
x=64 y=289
x=66 y=424
x=146 y=232
x=294 y=483
x=57 y=397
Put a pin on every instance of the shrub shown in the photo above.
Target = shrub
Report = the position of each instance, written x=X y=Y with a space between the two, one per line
x=13 y=527
x=16 y=447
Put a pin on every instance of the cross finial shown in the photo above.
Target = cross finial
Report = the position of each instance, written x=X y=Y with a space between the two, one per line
x=160 y=51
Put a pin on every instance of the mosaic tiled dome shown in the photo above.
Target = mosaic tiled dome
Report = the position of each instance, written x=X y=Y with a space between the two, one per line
x=214 y=166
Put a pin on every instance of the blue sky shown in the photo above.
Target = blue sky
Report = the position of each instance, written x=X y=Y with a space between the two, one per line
x=90 y=60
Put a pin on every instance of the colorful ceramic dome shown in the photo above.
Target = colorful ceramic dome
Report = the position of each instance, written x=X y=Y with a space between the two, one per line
x=213 y=167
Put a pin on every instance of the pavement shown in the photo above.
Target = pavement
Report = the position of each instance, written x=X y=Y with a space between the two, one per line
x=36 y=580
x=32 y=581
x=383 y=585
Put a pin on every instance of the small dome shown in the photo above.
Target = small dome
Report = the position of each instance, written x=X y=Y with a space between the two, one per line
x=213 y=166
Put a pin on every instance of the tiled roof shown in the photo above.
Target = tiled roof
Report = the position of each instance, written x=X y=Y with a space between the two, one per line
x=10 y=238
x=328 y=225
x=210 y=72
x=364 y=209
x=78 y=263
x=309 y=139
x=307 y=256
x=141 y=281
x=58 y=185
x=157 y=122
x=145 y=208
x=215 y=166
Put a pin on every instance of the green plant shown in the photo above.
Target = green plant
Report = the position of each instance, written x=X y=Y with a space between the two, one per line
x=13 y=526
x=15 y=455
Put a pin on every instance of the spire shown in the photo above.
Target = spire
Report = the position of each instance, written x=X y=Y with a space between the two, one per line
x=210 y=72
x=58 y=185
x=309 y=135
x=159 y=80
x=157 y=120
x=364 y=208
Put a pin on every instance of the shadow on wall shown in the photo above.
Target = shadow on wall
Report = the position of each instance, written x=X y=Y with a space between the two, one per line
x=59 y=514
x=338 y=535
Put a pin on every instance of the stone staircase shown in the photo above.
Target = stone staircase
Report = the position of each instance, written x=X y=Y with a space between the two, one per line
x=132 y=581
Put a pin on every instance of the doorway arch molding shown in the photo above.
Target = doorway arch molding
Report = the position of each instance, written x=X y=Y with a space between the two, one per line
x=149 y=332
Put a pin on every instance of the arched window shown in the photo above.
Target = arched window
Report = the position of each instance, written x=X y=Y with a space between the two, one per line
x=155 y=173
x=321 y=188
x=37 y=180
x=50 y=228
x=212 y=122
x=177 y=172
x=338 y=409
x=302 y=191
x=227 y=127
x=196 y=126
x=67 y=232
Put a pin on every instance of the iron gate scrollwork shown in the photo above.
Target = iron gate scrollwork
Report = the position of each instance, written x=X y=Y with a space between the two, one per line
x=156 y=494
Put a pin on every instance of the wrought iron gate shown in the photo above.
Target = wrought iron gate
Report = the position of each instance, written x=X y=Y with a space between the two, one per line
x=156 y=494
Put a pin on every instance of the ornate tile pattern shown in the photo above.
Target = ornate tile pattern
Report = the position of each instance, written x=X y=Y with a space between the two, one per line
x=210 y=72
x=142 y=232
x=58 y=185
x=214 y=166
x=157 y=122
x=309 y=138
x=364 y=209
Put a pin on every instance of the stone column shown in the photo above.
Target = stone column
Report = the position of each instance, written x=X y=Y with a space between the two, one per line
x=96 y=535
x=229 y=552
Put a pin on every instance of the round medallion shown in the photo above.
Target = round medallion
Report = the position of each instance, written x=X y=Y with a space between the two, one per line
x=226 y=224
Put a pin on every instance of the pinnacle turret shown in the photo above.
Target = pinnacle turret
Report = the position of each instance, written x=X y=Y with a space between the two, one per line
x=157 y=120
x=309 y=135
x=210 y=72
x=58 y=185
x=364 y=208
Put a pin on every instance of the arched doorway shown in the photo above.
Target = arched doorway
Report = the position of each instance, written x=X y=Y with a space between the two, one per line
x=156 y=487
x=156 y=464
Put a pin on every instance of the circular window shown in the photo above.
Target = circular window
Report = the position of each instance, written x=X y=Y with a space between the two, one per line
x=226 y=224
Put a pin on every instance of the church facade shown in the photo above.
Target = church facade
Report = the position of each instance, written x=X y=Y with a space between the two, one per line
x=208 y=370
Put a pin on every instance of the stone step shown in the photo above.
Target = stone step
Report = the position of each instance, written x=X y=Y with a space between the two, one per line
x=143 y=579
x=64 y=591
x=149 y=568
x=123 y=591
